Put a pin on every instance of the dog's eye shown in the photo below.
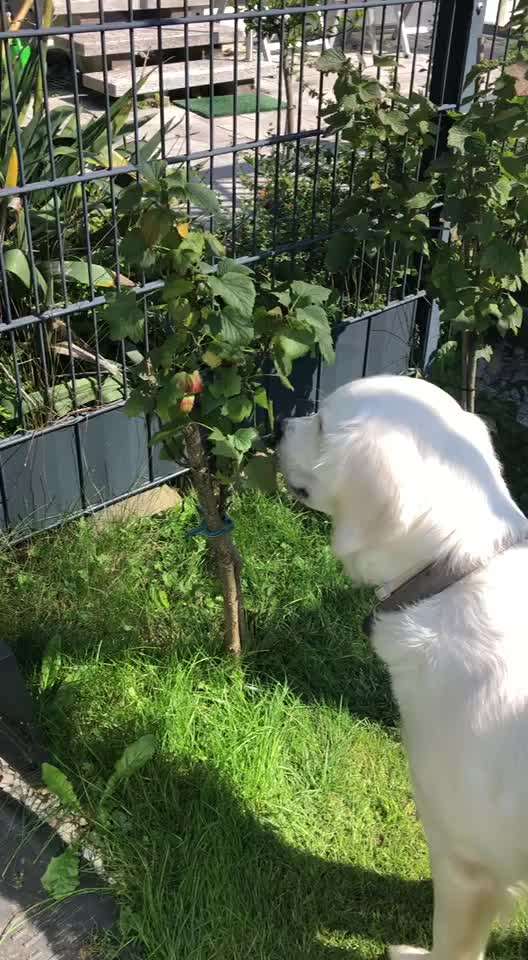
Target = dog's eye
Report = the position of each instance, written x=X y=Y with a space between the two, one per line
x=300 y=492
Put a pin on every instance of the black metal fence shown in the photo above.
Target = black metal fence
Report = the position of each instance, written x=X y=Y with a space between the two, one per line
x=92 y=93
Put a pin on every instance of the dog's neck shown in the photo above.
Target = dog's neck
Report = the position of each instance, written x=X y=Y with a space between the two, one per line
x=392 y=564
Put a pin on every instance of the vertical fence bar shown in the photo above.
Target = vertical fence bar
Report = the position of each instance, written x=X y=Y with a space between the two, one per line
x=234 y=158
x=260 y=47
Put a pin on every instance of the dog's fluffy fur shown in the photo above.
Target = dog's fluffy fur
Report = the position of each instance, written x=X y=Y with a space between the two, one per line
x=408 y=477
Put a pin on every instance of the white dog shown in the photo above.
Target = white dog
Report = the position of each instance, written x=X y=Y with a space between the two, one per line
x=420 y=510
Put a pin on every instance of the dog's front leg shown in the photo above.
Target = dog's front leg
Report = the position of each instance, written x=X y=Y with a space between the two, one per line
x=466 y=903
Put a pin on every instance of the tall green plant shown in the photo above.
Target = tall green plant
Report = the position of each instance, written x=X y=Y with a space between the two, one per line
x=480 y=276
x=380 y=226
x=475 y=193
x=208 y=379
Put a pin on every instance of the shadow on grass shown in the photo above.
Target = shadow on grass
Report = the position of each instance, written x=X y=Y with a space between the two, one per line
x=323 y=655
x=203 y=878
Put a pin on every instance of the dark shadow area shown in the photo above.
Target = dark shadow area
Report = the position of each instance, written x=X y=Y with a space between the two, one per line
x=323 y=654
x=30 y=924
x=210 y=880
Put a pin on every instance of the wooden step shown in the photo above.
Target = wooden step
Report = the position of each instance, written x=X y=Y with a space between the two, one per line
x=199 y=75
x=146 y=40
x=90 y=8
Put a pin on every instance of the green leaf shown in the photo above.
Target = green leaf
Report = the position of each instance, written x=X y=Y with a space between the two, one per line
x=169 y=396
x=340 y=252
x=502 y=189
x=133 y=246
x=238 y=408
x=138 y=403
x=514 y=165
x=395 y=120
x=457 y=137
x=421 y=200
x=202 y=196
x=111 y=390
x=85 y=392
x=51 y=663
x=134 y=757
x=177 y=287
x=501 y=258
x=330 y=61
x=369 y=90
x=485 y=228
x=236 y=290
x=78 y=270
x=124 y=318
x=232 y=266
x=15 y=262
x=189 y=252
x=448 y=276
x=162 y=357
x=226 y=383
x=235 y=329
x=61 y=878
x=155 y=223
x=59 y=785
x=262 y=399
x=315 y=318
x=310 y=292
x=490 y=309
x=524 y=264
x=294 y=343
x=215 y=245
x=62 y=401
x=261 y=473
x=130 y=198
x=243 y=438
x=512 y=317
x=223 y=446
x=484 y=353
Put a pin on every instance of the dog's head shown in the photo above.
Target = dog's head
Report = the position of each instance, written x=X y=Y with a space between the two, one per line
x=396 y=463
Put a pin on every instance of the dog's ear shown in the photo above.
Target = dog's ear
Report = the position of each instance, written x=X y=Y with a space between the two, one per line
x=376 y=485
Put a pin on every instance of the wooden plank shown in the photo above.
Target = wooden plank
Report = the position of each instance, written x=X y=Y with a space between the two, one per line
x=80 y=8
x=120 y=80
x=117 y=42
x=147 y=504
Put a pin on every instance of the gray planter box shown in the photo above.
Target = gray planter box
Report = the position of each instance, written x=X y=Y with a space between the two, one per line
x=80 y=465
x=77 y=467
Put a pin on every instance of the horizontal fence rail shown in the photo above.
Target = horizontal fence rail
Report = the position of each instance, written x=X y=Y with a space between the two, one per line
x=110 y=96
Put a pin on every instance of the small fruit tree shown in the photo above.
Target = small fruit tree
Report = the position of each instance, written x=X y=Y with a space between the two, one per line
x=220 y=338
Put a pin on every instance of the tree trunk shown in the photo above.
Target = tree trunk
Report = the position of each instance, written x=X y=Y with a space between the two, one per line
x=469 y=370
x=227 y=558
x=287 y=69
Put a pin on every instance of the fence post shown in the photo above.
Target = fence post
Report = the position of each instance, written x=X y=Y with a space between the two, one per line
x=459 y=26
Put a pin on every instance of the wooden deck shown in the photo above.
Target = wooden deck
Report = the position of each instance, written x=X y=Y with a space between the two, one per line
x=199 y=74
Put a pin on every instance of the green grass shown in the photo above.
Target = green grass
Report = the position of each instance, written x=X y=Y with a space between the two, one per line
x=276 y=820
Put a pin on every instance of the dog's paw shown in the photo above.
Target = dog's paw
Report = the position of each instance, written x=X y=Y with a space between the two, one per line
x=406 y=953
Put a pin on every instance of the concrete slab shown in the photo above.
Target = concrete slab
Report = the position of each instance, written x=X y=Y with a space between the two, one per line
x=146 y=504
